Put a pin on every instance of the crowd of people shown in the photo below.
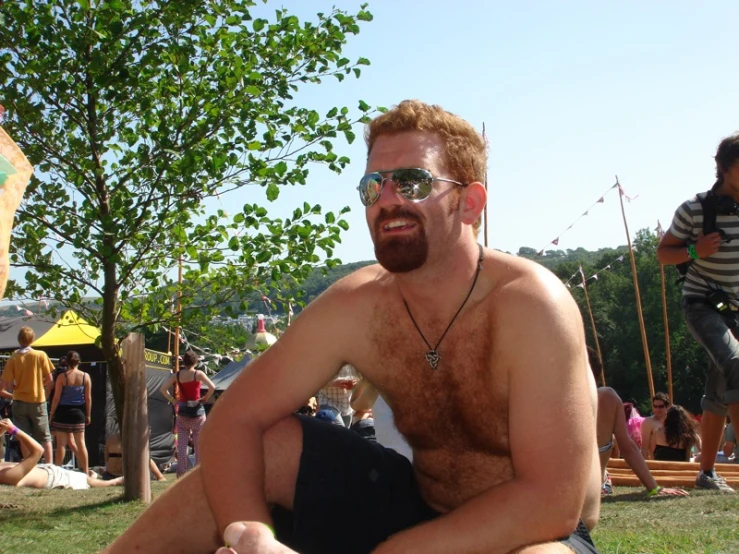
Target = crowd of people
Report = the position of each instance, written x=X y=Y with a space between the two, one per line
x=44 y=400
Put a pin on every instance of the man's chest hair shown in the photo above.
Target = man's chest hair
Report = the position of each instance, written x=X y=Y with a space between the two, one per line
x=464 y=400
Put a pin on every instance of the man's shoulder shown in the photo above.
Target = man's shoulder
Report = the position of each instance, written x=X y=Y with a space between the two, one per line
x=519 y=282
x=359 y=279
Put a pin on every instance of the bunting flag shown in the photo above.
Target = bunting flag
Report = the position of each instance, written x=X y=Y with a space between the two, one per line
x=623 y=193
x=594 y=276
x=600 y=200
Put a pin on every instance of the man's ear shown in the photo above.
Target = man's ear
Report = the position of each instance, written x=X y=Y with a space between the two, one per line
x=474 y=198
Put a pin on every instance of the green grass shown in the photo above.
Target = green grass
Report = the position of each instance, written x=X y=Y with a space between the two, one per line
x=64 y=521
x=71 y=522
x=705 y=522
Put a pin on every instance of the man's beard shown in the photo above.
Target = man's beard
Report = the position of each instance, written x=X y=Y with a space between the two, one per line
x=401 y=255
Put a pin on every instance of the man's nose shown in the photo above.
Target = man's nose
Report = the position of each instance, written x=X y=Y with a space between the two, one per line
x=389 y=194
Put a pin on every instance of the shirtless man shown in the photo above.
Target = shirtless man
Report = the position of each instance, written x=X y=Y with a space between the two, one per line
x=493 y=343
x=660 y=404
x=45 y=476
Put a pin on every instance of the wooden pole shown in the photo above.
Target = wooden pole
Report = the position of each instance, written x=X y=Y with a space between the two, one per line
x=595 y=333
x=135 y=428
x=485 y=211
x=178 y=311
x=667 y=333
x=638 y=296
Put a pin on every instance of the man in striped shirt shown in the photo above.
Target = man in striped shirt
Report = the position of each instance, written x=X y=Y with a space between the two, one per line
x=710 y=298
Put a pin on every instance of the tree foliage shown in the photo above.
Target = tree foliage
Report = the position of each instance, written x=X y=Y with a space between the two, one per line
x=135 y=114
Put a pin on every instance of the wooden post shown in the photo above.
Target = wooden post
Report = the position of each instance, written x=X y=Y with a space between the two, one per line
x=135 y=428
x=667 y=334
x=638 y=296
x=179 y=318
x=595 y=333
x=485 y=211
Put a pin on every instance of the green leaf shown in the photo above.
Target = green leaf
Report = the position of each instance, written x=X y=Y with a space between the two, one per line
x=272 y=192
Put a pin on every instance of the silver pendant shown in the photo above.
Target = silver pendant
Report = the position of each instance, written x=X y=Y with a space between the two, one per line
x=432 y=357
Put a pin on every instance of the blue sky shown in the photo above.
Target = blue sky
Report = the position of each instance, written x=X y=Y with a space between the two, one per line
x=571 y=94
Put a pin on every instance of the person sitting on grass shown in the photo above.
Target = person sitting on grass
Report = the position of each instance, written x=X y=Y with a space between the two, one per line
x=29 y=473
x=673 y=441
x=114 y=461
x=612 y=421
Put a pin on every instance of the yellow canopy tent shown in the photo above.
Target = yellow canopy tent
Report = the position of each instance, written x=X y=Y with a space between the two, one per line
x=69 y=329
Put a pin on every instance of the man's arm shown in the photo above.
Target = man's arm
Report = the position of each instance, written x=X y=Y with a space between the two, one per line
x=672 y=250
x=541 y=347
x=13 y=475
x=271 y=388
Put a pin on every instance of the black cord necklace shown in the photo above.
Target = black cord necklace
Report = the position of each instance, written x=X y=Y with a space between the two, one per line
x=432 y=355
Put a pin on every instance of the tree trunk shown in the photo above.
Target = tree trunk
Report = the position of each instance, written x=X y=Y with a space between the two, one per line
x=135 y=427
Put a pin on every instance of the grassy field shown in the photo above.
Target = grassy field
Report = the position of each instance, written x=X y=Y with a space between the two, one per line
x=70 y=522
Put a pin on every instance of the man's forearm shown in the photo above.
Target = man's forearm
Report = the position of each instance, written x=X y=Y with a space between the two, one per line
x=233 y=472
x=493 y=522
x=673 y=255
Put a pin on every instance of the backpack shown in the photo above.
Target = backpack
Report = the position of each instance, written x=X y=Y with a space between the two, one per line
x=709 y=205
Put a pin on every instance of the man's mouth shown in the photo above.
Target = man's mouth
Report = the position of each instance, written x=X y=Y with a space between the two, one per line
x=398 y=225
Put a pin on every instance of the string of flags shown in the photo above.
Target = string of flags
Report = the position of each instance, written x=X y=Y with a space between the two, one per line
x=594 y=276
x=660 y=233
x=600 y=200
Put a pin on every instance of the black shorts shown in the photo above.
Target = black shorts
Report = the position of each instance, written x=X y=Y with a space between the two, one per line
x=352 y=494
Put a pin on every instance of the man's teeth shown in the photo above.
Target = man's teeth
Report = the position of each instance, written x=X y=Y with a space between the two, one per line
x=396 y=224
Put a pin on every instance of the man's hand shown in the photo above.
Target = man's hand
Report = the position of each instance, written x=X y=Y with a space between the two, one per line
x=251 y=537
x=672 y=492
x=707 y=245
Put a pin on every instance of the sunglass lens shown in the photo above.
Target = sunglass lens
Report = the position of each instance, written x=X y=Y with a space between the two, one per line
x=414 y=184
x=370 y=187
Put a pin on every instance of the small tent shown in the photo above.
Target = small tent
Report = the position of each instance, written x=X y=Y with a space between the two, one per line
x=223 y=379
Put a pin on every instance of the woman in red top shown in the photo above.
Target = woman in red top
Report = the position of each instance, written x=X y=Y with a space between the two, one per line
x=190 y=409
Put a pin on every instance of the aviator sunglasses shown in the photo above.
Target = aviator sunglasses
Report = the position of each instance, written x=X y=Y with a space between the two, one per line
x=412 y=183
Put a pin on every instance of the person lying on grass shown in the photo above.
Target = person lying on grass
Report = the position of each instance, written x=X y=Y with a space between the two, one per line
x=29 y=473
x=612 y=422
